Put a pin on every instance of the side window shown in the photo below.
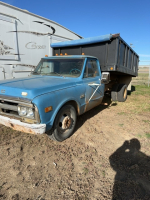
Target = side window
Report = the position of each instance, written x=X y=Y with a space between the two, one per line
x=91 y=69
x=47 y=67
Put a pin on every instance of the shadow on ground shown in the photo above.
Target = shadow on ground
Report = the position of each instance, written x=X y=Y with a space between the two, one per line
x=132 y=90
x=132 y=180
x=91 y=113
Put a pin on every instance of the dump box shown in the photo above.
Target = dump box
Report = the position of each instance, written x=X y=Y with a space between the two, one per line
x=114 y=54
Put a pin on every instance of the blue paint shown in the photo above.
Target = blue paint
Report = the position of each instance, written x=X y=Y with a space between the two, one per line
x=55 y=91
x=35 y=85
x=90 y=40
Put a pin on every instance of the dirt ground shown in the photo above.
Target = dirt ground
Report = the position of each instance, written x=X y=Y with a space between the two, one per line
x=108 y=157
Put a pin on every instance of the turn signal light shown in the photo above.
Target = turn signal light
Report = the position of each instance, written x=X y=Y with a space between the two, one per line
x=48 y=109
x=46 y=55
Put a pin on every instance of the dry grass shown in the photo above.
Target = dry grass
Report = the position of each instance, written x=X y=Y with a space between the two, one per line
x=142 y=78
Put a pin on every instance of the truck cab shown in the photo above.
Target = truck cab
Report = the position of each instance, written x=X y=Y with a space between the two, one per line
x=59 y=89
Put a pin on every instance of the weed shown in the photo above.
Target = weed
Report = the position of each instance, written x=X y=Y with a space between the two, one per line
x=122 y=113
x=85 y=170
x=59 y=187
x=142 y=90
x=121 y=125
x=146 y=121
x=141 y=79
x=148 y=135
x=147 y=109
x=140 y=136
x=87 y=150
x=103 y=172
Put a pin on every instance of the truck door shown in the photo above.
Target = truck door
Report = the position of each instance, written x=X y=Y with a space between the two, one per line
x=91 y=80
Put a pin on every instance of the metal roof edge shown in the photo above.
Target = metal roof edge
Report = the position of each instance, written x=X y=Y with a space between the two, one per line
x=25 y=11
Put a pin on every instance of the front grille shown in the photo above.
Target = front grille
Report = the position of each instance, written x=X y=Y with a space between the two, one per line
x=9 y=108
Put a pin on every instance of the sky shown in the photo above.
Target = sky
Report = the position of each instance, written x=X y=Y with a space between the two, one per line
x=89 y=18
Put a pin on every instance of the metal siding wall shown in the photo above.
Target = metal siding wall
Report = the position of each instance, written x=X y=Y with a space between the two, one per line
x=32 y=39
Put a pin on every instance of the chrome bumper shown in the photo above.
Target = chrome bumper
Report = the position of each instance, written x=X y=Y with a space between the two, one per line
x=23 y=127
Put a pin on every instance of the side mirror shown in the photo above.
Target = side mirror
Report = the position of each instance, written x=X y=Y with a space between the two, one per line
x=105 y=78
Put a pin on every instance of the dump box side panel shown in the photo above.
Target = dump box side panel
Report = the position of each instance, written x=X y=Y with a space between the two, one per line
x=127 y=59
x=115 y=55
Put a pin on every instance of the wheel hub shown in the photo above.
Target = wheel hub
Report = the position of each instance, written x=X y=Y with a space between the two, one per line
x=66 y=123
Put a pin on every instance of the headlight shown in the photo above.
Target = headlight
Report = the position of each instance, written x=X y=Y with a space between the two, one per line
x=22 y=111
x=25 y=111
x=30 y=112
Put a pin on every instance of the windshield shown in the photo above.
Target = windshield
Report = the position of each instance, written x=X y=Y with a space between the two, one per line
x=60 y=67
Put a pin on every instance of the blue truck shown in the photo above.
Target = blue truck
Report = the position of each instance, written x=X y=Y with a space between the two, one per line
x=60 y=88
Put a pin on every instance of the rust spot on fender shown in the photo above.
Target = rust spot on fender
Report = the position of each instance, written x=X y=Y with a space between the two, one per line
x=87 y=102
x=78 y=110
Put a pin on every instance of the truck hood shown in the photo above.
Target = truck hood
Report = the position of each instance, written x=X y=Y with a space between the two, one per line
x=34 y=86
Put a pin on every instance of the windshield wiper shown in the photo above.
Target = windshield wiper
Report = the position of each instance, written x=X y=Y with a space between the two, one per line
x=35 y=73
x=57 y=74
x=48 y=73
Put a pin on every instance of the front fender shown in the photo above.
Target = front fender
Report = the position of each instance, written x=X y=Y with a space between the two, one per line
x=55 y=99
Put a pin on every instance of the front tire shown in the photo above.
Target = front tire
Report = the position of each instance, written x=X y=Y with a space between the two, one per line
x=64 y=123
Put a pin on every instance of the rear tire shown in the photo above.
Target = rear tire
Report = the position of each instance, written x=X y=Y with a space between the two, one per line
x=114 y=94
x=64 y=123
x=122 y=93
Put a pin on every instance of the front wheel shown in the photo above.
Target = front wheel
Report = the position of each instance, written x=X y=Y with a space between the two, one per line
x=64 y=123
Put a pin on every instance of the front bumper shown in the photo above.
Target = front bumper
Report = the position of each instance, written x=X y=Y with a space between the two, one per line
x=23 y=127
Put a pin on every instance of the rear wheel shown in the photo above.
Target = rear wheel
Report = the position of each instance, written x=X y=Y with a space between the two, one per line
x=64 y=123
x=114 y=94
x=122 y=92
